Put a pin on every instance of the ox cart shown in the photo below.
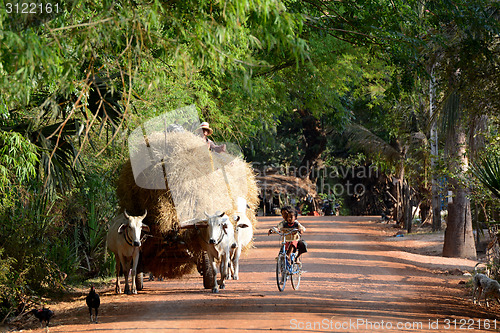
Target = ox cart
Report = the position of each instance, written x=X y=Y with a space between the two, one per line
x=164 y=257
x=175 y=177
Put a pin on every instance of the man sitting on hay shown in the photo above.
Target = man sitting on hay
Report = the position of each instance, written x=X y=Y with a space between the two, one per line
x=205 y=132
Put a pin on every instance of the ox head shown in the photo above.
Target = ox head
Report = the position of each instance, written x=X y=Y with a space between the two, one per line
x=240 y=223
x=242 y=206
x=218 y=226
x=132 y=227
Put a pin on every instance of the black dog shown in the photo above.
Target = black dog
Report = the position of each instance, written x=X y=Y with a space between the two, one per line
x=43 y=315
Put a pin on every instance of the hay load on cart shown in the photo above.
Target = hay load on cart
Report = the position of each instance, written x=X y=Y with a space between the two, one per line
x=175 y=177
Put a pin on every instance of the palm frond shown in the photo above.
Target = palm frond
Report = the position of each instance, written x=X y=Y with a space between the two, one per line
x=362 y=139
x=487 y=171
x=104 y=100
x=56 y=151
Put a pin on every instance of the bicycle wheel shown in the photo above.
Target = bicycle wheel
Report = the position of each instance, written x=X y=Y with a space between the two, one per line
x=296 y=276
x=281 y=272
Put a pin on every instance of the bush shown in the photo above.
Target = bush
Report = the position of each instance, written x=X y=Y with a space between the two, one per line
x=86 y=216
x=26 y=269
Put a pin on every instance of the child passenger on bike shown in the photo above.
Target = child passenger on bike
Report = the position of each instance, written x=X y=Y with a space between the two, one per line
x=293 y=241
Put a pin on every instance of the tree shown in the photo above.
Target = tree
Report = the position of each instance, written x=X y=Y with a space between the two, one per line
x=69 y=85
x=319 y=98
x=468 y=29
x=435 y=204
x=88 y=57
x=459 y=238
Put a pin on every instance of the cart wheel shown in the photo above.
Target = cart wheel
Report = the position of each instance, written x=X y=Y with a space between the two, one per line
x=139 y=281
x=200 y=264
x=208 y=273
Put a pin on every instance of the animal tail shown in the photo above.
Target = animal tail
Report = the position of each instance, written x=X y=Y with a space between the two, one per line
x=476 y=272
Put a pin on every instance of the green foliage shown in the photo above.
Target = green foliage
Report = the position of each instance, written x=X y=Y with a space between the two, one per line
x=464 y=48
x=112 y=39
x=339 y=83
x=62 y=240
x=487 y=170
x=18 y=159
x=7 y=284
x=98 y=204
x=25 y=225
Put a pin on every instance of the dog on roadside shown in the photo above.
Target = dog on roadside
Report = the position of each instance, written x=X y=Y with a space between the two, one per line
x=479 y=281
x=486 y=288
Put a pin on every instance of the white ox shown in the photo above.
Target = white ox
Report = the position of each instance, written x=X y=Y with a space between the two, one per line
x=243 y=235
x=124 y=240
x=217 y=240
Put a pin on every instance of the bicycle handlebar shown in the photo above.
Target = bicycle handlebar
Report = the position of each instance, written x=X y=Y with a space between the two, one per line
x=285 y=233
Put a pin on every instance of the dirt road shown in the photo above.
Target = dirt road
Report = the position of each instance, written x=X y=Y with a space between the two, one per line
x=356 y=280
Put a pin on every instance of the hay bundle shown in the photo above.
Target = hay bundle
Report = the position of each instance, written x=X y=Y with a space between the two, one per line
x=194 y=180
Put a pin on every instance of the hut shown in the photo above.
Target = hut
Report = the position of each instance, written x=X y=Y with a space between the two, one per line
x=277 y=190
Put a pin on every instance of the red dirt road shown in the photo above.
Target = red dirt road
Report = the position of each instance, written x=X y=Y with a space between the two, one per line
x=356 y=280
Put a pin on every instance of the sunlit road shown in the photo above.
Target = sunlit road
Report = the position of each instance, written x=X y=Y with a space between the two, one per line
x=352 y=283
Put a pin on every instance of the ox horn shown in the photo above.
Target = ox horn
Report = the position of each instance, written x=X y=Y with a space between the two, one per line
x=206 y=214
x=125 y=213
x=145 y=213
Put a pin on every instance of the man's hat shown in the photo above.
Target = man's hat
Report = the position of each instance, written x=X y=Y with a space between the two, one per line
x=205 y=125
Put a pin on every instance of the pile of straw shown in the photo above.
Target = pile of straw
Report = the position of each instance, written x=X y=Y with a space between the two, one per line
x=197 y=180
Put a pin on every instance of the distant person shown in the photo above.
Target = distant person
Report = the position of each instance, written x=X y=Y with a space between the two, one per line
x=207 y=131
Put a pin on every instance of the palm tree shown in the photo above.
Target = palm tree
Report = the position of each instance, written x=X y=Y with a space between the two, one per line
x=394 y=155
x=487 y=170
x=459 y=237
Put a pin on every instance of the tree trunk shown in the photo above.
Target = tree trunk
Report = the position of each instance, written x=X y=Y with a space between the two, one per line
x=315 y=140
x=436 y=203
x=425 y=211
x=436 y=206
x=407 y=211
x=397 y=213
x=459 y=238
x=402 y=198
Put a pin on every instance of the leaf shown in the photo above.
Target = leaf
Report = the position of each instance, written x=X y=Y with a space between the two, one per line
x=364 y=140
x=487 y=171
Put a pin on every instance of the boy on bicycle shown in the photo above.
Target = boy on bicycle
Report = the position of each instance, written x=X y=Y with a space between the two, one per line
x=293 y=241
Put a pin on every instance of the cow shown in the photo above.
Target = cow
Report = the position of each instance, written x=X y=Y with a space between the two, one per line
x=217 y=240
x=124 y=240
x=243 y=234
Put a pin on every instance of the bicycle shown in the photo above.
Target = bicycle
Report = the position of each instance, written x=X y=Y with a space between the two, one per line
x=287 y=267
